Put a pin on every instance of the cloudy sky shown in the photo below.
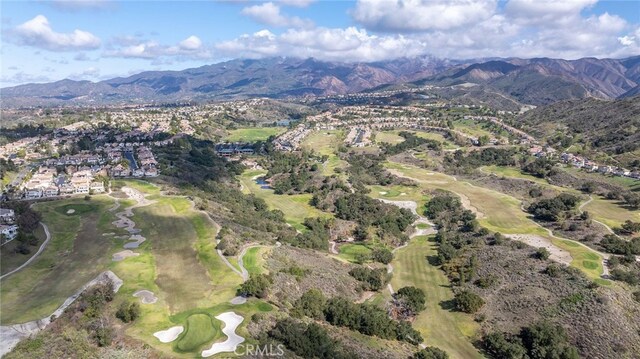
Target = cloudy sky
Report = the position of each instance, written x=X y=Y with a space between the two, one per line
x=50 y=40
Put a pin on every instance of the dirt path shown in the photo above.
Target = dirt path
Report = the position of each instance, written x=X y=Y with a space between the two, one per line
x=42 y=246
x=10 y=335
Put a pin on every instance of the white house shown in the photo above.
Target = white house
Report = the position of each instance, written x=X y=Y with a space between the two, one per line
x=8 y=232
x=7 y=215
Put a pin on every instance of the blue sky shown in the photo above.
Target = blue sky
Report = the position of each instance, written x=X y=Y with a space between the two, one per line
x=98 y=39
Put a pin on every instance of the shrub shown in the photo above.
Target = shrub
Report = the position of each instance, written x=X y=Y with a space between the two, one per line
x=372 y=279
x=128 y=311
x=256 y=286
x=430 y=353
x=468 y=301
x=498 y=345
x=411 y=298
x=382 y=255
x=545 y=340
x=311 y=304
x=542 y=253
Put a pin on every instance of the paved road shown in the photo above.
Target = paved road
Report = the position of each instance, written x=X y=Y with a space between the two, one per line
x=44 y=244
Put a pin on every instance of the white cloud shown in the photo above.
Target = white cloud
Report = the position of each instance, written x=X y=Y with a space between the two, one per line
x=37 y=32
x=421 y=15
x=131 y=47
x=191 y=43
x=269 y=14
x=296 y=3
x=550 y=12
x=350 y=44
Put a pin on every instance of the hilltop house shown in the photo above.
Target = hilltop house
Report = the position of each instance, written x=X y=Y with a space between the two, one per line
x=8 y=232
x=7 y=215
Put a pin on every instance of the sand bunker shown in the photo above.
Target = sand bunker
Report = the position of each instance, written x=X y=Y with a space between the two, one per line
x=231 y=322
x=556 y=254
x=147 y=296
x=136 y=241
x=238 y=300
x=122 y=255
x=169 y=335
x=71 y=211
x=382 y=192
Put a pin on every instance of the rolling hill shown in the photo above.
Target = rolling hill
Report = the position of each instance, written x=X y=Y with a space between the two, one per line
x=530 y=81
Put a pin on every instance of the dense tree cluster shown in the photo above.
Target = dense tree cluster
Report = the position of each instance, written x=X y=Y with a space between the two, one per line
x=371 y=279
x=541 y=167
x=128 y=311
x=463 y=162
x=553 y=209
x=411 y=141
x=468 y=302
x=430 y=353
x=256 y=286
x=628 y=228
x=540 y=341
x=368 y=319
x=410 y=300
x=389 y=219
x=307 y=340
x=616 y=245
x=364 y=318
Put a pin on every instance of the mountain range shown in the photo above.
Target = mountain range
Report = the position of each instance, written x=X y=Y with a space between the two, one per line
x=536 y=81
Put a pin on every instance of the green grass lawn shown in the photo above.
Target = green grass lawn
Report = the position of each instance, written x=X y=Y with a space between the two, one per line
x=606 y=211
x=10 y=260
x=471 y=128
x=399 y=193
x=295 y=207
x=500 y=212
x=349 y=251
x=326 y=143
x=199 y=331
x=254 y=259
x=609 y=212
x=253 y=134
x=393 y=137
x=390 y=137
x=446 y=329
x=76 y=254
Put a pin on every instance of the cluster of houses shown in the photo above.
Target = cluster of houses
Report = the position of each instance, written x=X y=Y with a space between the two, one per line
x=8 y=230
x=358 y=137
x=47 y=182
x=581 y=162
x=234 y=149
x=290 y=140
x=145 y=165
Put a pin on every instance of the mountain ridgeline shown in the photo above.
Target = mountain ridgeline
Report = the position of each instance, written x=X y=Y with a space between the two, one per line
x=527 y=81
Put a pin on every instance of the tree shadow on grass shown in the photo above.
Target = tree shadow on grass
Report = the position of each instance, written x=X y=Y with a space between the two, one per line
x=449 y=305
x=433 y=260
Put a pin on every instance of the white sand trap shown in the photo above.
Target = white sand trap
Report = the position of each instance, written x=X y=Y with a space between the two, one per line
x=382 y=192
x=146 y=296
x=556 y=254
x=169 y=335
x=231 y=322
x=137 y=241
x=71 y=211
x=403 y=194
x=108 y=234
x=122 y=255
x=238 y=300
